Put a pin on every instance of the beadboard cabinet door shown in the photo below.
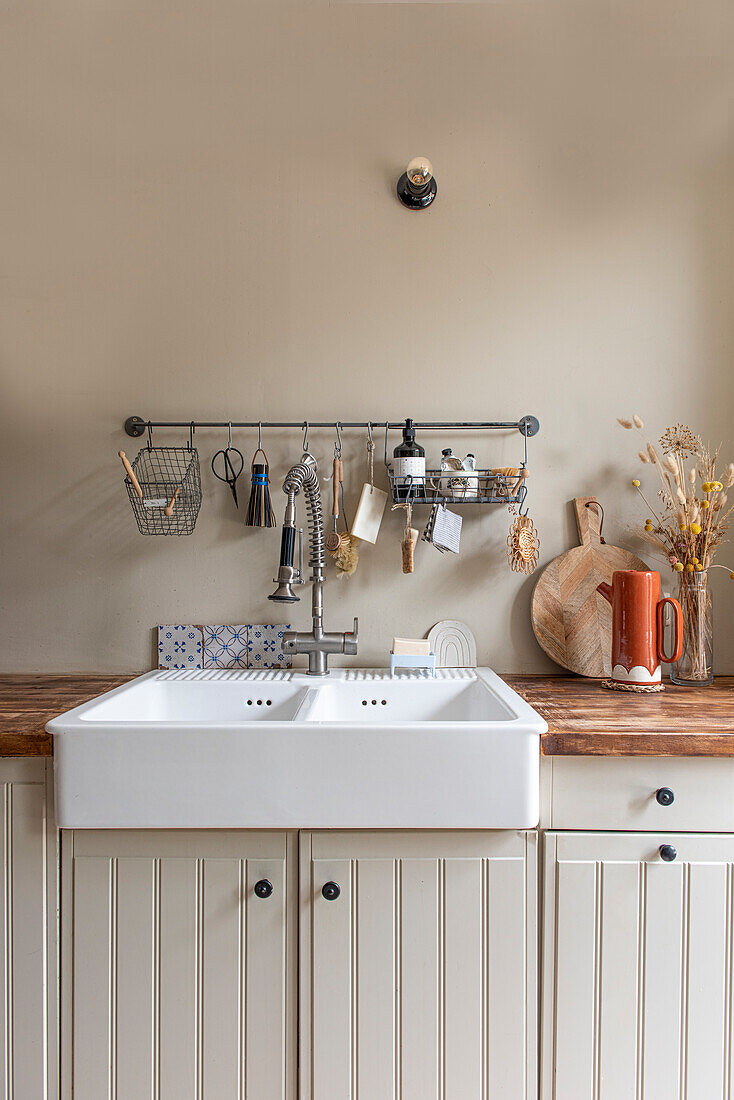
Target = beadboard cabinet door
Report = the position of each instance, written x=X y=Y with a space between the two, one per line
x=28 y=910
x=418 y=981
x=638 y=967
x=178 y=980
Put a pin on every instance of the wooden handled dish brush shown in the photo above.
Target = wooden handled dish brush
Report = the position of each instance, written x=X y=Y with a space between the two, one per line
x=342 y=547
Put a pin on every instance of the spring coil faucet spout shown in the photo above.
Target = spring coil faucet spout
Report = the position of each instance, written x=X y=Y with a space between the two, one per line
x=317 y=643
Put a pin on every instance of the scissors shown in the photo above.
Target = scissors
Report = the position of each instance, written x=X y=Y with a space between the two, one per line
x=230 y=470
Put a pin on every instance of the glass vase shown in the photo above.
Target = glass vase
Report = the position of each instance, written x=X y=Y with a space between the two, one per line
x=696 y=664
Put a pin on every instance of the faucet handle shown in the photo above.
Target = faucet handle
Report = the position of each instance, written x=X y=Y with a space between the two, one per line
x=301 y=579
x=351 y=638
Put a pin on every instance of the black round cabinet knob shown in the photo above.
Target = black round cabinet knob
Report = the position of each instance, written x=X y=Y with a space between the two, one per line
x=331 y=891
x=667 y=853
x=263 y=888
x=664 y=797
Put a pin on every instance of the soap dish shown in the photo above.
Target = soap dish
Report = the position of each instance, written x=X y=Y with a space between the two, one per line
x=426 y=661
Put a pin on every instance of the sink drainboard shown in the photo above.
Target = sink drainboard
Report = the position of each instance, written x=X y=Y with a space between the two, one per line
x=260 y=675
x=380 y=674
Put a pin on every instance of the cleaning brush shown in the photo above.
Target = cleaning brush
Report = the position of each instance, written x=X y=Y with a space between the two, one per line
x=260 y=508
x=409 y=539
x=347 y=556
x=333 y=539
x=342 y=547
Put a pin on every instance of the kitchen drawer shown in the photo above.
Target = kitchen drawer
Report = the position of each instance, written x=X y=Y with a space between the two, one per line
x=619 y=793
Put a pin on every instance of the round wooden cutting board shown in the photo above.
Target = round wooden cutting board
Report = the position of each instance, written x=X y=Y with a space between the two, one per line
x=572 y=622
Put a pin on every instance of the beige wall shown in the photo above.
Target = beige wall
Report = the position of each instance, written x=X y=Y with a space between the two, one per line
x=197 y=219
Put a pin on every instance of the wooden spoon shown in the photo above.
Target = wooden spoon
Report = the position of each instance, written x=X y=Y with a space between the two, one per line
x=168 y=510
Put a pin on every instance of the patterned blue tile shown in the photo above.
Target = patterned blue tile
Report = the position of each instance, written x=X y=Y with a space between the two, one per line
x=180 y=647
x=225 y=646
x=265 y=651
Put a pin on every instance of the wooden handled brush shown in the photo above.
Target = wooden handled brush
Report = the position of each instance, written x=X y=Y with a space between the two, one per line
x=342 y=547
x=130 y=473
x=333 y=539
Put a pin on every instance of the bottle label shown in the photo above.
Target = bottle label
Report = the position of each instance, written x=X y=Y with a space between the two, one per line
x=410 y=470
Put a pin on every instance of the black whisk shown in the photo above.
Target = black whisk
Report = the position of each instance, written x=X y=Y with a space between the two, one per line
x=259 y=508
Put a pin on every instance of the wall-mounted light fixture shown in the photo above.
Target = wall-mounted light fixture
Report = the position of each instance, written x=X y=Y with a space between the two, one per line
x=417 y=187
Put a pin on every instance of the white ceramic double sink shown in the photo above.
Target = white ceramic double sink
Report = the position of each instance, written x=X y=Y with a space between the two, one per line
x=279 y=750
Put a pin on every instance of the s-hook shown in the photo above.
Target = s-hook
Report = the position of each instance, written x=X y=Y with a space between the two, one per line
x=371 y=454
x=522 y=488
x=230 y=470
x=337 y=451
x=305 y=437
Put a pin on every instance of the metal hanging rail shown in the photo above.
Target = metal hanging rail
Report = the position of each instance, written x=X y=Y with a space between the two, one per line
x=528 y=426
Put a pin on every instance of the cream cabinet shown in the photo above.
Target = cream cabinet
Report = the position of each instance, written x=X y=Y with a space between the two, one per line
x=203 y=965
x=418 y=966
x=28 y=910
x=638 y=972
x=179 y=965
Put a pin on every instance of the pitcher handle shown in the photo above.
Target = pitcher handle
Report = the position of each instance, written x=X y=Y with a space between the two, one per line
x=677 y=629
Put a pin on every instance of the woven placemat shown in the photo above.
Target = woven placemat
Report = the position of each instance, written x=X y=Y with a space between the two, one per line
x=636 y=689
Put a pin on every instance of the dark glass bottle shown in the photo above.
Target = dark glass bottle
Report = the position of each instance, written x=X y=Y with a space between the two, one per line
x=409 y=465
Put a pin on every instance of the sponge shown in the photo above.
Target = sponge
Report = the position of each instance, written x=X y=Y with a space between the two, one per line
x=414 y=647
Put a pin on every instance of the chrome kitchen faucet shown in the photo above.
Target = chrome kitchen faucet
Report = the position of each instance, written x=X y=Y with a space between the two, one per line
x=317 y=643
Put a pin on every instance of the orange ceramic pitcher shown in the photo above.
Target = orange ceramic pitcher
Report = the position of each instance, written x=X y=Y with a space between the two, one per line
x=638 y=626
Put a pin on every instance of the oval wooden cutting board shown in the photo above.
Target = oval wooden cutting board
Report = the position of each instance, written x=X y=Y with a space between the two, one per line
x=571 y=621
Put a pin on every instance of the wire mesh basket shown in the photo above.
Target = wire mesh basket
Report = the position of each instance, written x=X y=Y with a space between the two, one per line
x=459 y=487
x=169 y=480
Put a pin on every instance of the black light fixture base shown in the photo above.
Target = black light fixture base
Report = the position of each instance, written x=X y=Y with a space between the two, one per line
x=416 y=198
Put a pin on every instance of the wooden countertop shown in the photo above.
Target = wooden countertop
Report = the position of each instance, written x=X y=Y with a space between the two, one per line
x=28 y=702
x=584 y=719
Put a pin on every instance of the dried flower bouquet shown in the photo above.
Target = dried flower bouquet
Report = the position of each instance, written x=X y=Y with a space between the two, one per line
x=687 y=525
